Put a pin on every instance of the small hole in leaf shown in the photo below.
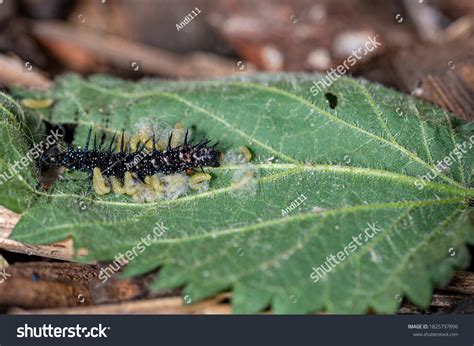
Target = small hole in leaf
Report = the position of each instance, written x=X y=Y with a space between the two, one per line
x=332 y=99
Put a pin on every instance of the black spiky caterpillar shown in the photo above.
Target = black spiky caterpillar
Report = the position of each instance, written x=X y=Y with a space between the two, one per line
x=140 y=163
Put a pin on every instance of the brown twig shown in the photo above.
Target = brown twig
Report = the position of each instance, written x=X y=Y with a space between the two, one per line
x=123 y=53
x=40 y=284
x=170 y=305
x=13 y=72
x=35 y=285
x=63 y=250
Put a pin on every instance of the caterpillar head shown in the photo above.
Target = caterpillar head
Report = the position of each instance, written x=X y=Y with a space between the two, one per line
x=72 y=159
x=51 y=158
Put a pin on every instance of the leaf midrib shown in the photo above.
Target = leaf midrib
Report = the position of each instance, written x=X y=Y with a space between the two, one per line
x=290 y=169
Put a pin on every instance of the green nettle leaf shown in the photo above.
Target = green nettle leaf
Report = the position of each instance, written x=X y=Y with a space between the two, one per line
x=375 y=180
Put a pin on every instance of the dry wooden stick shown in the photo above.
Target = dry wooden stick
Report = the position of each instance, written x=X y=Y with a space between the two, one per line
x=63 y=250
x=170 y=305
x=124 y=53
x=46 y=285
x=14 y=72
x=39 y=284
